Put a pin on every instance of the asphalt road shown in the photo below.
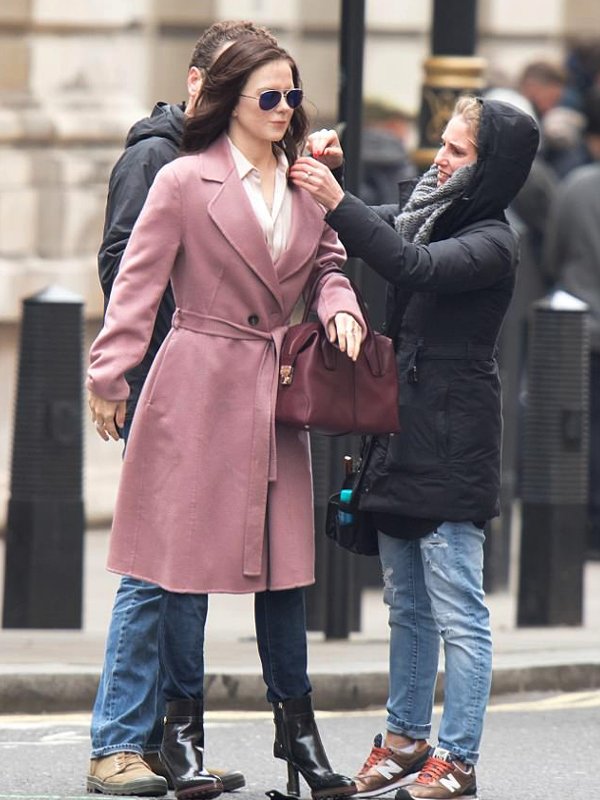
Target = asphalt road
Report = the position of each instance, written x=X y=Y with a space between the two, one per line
x=536 y=747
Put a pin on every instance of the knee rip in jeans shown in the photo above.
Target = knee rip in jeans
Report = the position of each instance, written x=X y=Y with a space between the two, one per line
x=389 y=590
x=444 y=623
x=388 y=574
x=435 y=568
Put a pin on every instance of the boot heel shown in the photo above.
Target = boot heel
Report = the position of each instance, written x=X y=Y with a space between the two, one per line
x=293 y=783
x=297 y=741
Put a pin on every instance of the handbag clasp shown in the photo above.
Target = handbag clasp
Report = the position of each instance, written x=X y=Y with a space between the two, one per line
x=286 y=374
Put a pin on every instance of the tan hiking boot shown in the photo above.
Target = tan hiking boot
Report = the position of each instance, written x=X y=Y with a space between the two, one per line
x=442 y=778
x=231 y=779
x=386 y=769
x=124 y=774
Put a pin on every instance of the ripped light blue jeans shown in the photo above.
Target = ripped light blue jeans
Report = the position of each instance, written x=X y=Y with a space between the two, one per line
x=433 y=587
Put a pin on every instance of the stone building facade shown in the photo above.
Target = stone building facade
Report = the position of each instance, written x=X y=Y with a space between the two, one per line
x=74 y=75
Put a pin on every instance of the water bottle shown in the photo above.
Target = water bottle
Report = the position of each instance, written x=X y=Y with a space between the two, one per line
x=345 y=517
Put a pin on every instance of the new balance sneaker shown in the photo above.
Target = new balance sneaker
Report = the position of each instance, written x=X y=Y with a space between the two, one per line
x=441 y=778
x=385 y=769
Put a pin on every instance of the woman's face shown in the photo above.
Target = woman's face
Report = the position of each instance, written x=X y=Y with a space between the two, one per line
x=248 y=119
x=458 y=149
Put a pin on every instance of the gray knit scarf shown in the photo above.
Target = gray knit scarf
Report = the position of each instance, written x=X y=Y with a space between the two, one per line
x=428 y=202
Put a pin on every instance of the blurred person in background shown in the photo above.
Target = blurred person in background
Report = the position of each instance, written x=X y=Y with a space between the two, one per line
x=582 y=64
x=528 y=214
x=387 y=131
x=542 y=83
x=572 y=253
x=576 y=134
x=566 y=122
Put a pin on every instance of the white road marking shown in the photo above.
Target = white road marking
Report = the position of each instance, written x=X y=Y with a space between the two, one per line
x=560 y=701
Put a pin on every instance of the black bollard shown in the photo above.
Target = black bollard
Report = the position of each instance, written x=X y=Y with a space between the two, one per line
x=44 y=543
x=555 y=464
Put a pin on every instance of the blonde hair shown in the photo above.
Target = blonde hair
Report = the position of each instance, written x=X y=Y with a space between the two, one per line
x=469 y=108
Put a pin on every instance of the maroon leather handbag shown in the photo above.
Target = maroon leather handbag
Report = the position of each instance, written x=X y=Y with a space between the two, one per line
x=321 y=389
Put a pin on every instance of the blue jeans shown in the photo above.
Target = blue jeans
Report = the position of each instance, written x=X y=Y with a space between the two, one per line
x=150 y=626
x=434 y=589
x=127 y=703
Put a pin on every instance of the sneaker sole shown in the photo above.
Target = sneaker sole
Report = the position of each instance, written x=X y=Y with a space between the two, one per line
x=390 y=787
x=332 y=794
x=146 y=787
x=404 y=794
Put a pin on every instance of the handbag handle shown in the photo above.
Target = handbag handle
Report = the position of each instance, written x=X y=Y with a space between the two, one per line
x=371 y=352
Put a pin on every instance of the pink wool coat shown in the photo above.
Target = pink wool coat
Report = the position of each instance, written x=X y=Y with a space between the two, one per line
x=214 y=496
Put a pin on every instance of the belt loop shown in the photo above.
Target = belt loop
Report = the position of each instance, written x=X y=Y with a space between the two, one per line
x=175 y=319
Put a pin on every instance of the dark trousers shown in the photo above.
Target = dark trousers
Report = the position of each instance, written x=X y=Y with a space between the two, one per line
x=280 y=633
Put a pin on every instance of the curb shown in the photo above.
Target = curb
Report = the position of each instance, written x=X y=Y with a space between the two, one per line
x=44 y=692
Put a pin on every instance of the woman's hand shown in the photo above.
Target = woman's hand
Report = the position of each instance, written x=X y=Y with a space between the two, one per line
x=108 y=415
x=344 y=329
x=316 y=178
x=324 y=145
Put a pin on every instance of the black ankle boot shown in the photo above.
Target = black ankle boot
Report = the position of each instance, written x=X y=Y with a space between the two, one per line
x=278 y=749
x=297 y=741
x=182 y=752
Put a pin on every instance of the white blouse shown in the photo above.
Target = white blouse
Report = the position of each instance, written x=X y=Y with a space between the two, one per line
x=276 y=222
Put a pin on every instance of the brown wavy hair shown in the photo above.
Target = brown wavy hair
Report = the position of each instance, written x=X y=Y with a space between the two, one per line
x=224 y=82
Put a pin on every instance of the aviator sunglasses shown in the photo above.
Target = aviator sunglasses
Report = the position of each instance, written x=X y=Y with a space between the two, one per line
x=271 y=98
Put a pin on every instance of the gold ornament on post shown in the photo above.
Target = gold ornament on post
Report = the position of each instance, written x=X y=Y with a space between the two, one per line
x=446 y=78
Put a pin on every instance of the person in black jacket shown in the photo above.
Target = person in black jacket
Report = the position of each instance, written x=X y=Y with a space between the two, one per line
x=127 y=720
x=449 y=257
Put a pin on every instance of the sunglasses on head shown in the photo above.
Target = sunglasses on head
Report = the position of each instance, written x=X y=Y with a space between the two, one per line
x=271 y=98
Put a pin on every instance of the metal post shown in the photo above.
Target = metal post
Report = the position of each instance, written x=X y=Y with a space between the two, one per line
x=451 y=70
x=555 y=464
x=44 y=544
x=343 y=600
x=350 y=91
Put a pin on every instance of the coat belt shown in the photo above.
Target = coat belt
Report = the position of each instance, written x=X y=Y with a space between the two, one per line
x=263 y=458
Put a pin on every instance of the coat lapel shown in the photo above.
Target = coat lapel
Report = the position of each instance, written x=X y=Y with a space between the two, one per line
x=307 y=218
x=232 y=213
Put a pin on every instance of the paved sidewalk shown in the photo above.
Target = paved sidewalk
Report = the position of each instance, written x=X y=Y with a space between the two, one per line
x=44 y=670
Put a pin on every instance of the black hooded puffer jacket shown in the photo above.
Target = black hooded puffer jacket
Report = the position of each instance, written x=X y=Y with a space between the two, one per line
x=151 y=143
x=446 y=303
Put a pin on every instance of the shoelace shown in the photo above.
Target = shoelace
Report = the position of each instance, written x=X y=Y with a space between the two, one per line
x=376 y=754
x=128 y=760
x=434 y=769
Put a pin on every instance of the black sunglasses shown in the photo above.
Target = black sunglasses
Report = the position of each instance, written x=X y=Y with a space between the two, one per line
x=270 y=99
